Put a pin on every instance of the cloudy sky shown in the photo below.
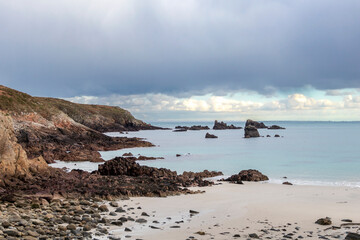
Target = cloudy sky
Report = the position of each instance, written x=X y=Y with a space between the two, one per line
x=188 y=59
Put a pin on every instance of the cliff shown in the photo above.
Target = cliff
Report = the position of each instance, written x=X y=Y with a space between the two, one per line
x=14 y=162
x=61 y=130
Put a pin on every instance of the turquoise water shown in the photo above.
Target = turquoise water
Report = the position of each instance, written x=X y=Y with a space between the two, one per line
x=314 y=153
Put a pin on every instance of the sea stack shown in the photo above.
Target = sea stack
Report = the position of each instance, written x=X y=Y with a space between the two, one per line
x=251 y=131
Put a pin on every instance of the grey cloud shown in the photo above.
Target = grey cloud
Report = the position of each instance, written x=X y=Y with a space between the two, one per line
x=71 y=48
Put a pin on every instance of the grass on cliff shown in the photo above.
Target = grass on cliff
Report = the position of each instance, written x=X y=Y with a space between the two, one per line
x=16 y=102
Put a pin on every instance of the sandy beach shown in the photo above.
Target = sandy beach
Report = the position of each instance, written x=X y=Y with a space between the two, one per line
x=229 y=211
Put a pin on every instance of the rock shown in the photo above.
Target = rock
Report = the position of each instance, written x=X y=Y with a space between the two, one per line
x=200 y=233
x=195 y=127
x=268 y=135
x=324 y=221
x=208 y=135
x=178 y=155
x=352 y=236
x=251 y=132
x=248 y=175
x=347 y=220
x=12 y=232
x=287 y=183
x=141 y=220
x=120 y=209
x=5 y=224
x=71 y=227
x=193 y=212
x=127 y=230
x=253 y=235
x=145 y=214
x=114 y=204
x=275 y=127
x=223 y=126
x=257 y=125
x=117 y=223
x=277 y=135
x=103 y=208
x=129 y=154
x=87 y=227
x=180 y=130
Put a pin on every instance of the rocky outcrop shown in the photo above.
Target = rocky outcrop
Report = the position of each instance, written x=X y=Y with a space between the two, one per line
x=251 y=132
x=276 y=127
x=250 y=175
x=193 y=128
x=256 y=124
x=223 y=126
x=14 y=162
x=203 y=174
x=60 y=130
x=208 y=135
x=117 y=177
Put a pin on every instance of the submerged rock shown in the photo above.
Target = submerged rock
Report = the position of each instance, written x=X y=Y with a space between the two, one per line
x=275 y=127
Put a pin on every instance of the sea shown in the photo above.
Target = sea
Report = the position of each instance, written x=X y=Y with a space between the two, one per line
x=306 y=153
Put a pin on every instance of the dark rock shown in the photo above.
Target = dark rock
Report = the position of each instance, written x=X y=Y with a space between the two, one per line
x=352 y=236
x=195 y=127
x=145 y=214
x=253 y=235
x=347 y=220
x=141 y=220
x=275 y=127
x=277 y=135
x=129 y=154
x=180 y=130
x=248 y=175
x=324 y=221
x=223 y=126
x=251 y=131
x=208 y=135
x=287 y=183
x=193 y=212
x=255 y=124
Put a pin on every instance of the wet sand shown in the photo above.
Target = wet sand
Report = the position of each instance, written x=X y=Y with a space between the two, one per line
x=230 y=211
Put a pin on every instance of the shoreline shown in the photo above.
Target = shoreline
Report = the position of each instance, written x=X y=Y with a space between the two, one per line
x=268 y=210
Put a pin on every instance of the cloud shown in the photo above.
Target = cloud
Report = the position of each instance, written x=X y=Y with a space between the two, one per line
x=295 y=106
x=128 y=47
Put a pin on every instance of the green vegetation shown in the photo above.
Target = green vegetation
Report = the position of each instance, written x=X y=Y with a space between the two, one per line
x=17 y=103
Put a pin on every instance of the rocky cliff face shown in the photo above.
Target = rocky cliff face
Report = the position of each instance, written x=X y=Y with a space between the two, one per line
x=13 y=159
x=60 y=130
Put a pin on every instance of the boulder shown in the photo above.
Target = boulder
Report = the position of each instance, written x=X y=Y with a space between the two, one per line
x=251 y=131
x=352 y=236
x=250 y=175
x=223 y=126
x=208 y=135
x=324 y=221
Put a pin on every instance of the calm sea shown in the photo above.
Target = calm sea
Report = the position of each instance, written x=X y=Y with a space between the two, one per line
x=310 y=153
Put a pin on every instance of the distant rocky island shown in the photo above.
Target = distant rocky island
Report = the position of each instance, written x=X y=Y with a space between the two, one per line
x=223 y=126
x=251 y=128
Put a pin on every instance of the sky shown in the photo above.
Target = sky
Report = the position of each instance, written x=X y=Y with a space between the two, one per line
x=188 y=60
